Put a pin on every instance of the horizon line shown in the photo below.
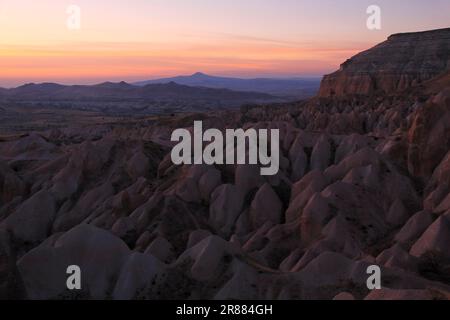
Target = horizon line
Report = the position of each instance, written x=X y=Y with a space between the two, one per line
x=162 y=77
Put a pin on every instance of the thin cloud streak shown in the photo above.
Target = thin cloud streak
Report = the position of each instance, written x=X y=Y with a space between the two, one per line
x=131 y=60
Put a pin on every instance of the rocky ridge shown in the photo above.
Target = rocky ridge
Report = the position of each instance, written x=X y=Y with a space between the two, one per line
x=404 y=60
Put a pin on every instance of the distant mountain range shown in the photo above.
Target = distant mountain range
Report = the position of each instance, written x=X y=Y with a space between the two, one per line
x=126 y=91
x=197 y=92
x=126 y=96
x=293 y=87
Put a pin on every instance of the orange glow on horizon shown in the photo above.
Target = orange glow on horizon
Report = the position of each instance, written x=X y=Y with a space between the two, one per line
x=136 y=61
x=119 y=40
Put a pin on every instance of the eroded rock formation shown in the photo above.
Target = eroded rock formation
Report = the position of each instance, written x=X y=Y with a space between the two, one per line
x=363 y=181
x=402 y=61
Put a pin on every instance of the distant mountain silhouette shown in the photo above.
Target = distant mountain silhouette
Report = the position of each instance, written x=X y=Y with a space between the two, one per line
x=125 y=96
x=295 y=87
x=126 y=91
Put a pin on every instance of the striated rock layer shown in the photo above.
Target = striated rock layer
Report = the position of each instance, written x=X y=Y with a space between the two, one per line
x=404 y=60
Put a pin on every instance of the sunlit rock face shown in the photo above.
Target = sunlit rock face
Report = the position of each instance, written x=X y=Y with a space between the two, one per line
x=402 y=61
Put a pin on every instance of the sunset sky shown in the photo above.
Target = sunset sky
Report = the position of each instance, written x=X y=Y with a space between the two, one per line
x=143 y=39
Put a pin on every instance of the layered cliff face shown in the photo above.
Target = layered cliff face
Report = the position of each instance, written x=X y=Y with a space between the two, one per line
x=404 y=60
